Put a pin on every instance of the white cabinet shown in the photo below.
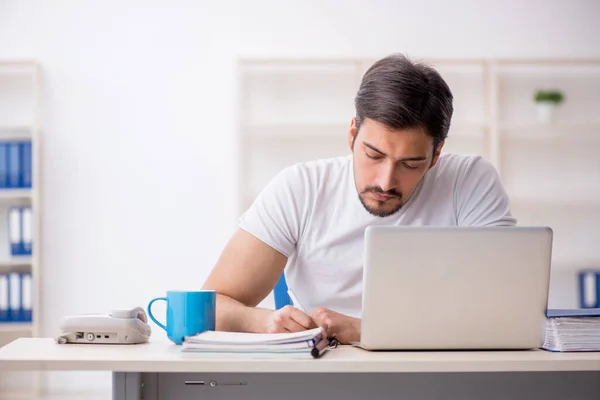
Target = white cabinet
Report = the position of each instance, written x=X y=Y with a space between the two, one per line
x=20 y=122
x=297 y=110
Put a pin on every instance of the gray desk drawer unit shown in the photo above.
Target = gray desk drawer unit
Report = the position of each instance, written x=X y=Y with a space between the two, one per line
x=578 y=385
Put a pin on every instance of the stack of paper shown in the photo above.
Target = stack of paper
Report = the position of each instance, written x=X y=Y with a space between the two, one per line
x=294 y=345
x=573 y=330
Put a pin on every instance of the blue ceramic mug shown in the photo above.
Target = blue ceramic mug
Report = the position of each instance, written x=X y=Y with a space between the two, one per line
x=188 y=313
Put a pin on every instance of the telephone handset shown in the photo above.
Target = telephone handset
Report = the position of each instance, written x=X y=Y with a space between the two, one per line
x=128 y=326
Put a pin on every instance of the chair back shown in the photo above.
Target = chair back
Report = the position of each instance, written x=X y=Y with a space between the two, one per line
x=280 y=292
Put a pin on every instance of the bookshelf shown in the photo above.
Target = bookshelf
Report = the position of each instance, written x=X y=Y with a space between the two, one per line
x=294 y=110
x=20 y=121
x=17 y=327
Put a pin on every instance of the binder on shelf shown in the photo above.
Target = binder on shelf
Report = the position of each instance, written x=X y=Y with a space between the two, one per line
x=16 y=297
x=589 y=289
x=4 y=300
x=26 y=230
x=26 y=164
x=14 y=165
x=27 y=300
x=3 y=165
x=15 y=231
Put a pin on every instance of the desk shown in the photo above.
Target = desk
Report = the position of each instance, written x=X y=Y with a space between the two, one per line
x=158 y=370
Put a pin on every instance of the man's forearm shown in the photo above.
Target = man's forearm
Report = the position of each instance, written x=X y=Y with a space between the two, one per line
x=234 y=316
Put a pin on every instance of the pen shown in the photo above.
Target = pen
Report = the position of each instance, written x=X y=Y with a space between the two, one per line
x=296 y=302
x=320 y=348
x=332 y=341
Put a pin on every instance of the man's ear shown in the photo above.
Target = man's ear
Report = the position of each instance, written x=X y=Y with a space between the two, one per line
x=352 y=133
x=437 y=153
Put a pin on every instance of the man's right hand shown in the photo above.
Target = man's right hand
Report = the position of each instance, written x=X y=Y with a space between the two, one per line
x=246 y=272
x=288 y=319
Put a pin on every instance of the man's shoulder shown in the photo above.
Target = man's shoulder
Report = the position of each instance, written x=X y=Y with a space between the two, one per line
x=451 y=165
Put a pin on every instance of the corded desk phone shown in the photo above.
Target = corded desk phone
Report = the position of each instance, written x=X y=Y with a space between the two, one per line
x=118 y=327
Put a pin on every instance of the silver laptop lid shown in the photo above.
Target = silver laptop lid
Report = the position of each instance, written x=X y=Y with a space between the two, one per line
x=455 y=287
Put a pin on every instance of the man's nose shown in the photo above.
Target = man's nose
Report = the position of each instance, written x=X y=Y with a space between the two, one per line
x=387 y=178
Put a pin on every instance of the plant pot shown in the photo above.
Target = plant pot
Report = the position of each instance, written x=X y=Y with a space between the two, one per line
x=545 y=111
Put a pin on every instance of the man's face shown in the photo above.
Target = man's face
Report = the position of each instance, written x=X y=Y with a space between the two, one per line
x=388 y=165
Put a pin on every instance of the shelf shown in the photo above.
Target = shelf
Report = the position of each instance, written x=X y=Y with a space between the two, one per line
x=469 y=126
x=546 y=202
x=553 y=127
x=16 y=132
x=295 y=130
x=16 y=264
x=15 y=327
x=568 y=266
x=549 y=62
x=15 y=194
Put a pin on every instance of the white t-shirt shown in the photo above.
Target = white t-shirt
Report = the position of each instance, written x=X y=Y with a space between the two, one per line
x=311 y=213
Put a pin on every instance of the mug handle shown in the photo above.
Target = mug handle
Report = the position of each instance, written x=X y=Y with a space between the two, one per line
x=150 y=312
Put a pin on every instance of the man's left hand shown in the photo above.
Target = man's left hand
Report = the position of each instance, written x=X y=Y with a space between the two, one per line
x=342 y=327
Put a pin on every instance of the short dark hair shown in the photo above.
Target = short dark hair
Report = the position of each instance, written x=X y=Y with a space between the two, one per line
x=402 y=94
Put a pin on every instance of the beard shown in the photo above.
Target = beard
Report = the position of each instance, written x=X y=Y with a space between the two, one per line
x=381 y=208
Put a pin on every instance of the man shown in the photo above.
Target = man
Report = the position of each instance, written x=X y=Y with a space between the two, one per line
x=310 y=218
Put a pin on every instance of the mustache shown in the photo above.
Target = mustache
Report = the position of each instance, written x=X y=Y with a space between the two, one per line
x=377 y=189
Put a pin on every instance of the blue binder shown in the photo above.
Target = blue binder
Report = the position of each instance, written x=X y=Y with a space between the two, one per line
x=26 y=231
x=26 y=164
x=16 y=297
x=572 y=312
x=26 y=287
x=14 y=165
x=589 y=289
x=3 y=165
x=4 y=298
x=15 y=231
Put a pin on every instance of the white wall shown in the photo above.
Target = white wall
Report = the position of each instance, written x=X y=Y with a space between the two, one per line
x=138 y=113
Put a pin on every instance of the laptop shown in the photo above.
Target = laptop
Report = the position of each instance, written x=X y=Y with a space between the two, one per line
x=452 y=288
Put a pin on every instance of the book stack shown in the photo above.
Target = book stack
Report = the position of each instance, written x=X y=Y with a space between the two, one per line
x=573 y=330
x=305 y=344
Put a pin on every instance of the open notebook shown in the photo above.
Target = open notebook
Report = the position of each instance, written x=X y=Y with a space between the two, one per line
x=572 y=330
x=305 y=344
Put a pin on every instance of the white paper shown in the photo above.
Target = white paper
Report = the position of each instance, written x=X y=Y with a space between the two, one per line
x=218 y=337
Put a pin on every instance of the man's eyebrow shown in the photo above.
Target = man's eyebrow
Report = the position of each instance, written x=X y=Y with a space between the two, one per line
x=419 y=158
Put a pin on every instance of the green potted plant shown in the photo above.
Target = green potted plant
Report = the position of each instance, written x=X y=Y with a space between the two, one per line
x=546 y=102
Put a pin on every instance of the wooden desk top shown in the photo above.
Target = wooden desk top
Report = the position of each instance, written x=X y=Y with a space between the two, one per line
x=158 y=356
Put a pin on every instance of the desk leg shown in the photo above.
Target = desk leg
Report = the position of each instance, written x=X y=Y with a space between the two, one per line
x=126 y=386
